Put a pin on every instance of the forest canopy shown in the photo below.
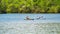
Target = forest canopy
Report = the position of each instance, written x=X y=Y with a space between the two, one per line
x=29 y=6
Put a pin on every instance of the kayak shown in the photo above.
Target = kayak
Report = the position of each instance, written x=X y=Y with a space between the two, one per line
x=28 y=19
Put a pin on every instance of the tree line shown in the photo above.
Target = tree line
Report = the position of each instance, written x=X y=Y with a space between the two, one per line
x=29 y=6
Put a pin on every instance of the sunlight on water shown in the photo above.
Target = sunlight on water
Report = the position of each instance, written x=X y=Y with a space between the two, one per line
x=29 y=28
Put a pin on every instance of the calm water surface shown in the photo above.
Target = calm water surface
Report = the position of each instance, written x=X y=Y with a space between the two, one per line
x=21 y=17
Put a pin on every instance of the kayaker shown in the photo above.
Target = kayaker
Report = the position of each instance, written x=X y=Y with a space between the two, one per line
x=39 y=17
x=27 y=18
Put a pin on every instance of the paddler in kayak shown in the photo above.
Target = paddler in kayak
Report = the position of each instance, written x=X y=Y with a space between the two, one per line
x=27 y=18
x=39 y=17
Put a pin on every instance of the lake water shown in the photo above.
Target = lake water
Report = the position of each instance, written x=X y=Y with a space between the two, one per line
x=21 y=17
x=15 y=24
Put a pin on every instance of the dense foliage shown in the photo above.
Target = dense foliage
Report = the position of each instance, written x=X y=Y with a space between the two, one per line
x=29 y=6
